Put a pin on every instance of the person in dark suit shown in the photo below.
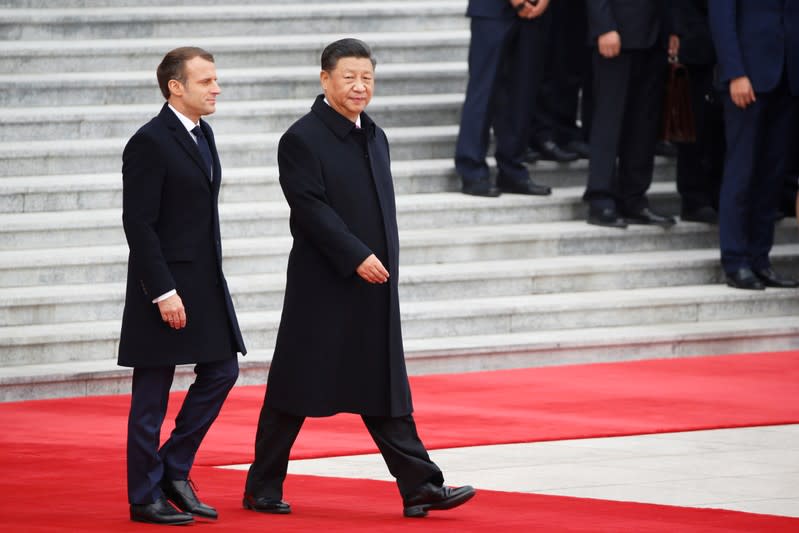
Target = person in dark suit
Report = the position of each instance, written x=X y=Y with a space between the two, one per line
x=630 y=42
x=699 y=164
x=178 y=308
x=505 y=44
x=757 y=45
x=339 y=344
x=559 y=119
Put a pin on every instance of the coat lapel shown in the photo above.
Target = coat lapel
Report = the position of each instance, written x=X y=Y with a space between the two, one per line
x=185 y=140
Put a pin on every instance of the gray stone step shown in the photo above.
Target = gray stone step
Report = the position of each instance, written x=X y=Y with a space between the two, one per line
x=85 y=227
x=240 y=150
x=99 y=264
x=451 y=354
x=62 y=4
x=256 y=83
x=93 y=122
x=235 y=51
x=52 y=304
x=27 y=194
x=216 y=20
x=53 y=343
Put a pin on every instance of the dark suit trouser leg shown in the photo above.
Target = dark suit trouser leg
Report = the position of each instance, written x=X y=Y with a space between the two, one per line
x=148 y=403
x=147 y=465
x=610 y=90
x=274 y=438
x=485 y=55
x=403 y=452
x=700 y=163
x=200 y=408
x=518 y=83
x=639 y=130
x=755 y=159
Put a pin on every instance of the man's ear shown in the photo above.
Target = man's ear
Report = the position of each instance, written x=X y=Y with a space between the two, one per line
x=324 y=77
x=175 y=87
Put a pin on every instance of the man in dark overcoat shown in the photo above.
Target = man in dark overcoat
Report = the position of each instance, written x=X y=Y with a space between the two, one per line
x=757 y=45
x=178 y=308
x=339 y=345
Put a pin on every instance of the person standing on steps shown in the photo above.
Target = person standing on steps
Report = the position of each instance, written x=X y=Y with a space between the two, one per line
x=507 y=36
x=339 y=344
x=178 y=308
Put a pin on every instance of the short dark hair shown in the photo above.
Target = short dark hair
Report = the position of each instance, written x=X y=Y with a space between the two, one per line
x=173 y=66
x=345 y=48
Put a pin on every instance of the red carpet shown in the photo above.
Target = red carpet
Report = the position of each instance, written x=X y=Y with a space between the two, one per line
x=62 y=461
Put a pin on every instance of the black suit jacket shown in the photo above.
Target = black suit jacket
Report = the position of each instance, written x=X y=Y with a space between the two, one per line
x=171 y=221
x=692 y=25
x=339 y=346
x=641 y=23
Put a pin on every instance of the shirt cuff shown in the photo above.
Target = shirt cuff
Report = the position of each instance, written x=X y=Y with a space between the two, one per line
x=165 y=296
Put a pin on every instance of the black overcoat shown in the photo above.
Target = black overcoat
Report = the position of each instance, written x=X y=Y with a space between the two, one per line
x=339 y=345
x=171 y=220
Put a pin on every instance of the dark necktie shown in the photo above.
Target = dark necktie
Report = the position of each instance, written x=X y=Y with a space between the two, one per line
x=205 y=150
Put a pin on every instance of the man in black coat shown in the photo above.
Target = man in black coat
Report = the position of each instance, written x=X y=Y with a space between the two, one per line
x=178 y=308
x=339 y=345
x=629 y=62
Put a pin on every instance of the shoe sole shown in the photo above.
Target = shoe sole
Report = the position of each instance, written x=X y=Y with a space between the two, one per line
x=176 y=523
x=420 y=511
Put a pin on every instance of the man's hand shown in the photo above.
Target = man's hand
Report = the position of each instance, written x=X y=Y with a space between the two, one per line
x=173 y=312
x=609 y=44
x=674 y=46
x=529 y=9
x=372 y=270
x=741 y=92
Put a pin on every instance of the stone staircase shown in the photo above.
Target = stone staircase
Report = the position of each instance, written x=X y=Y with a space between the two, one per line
x=485 y=283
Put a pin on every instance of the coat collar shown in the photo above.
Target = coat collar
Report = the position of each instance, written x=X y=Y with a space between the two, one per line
x=340 y=125
x=185 y=139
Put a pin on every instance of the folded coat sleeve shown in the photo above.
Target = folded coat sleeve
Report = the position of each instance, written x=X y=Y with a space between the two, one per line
x=303 y=186
x=722 y=15
x=143 y=173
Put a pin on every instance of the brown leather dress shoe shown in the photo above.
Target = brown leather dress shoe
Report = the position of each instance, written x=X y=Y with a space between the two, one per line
x=159 y=512
x=430 y=497
x=265 y=505
x=181 y=493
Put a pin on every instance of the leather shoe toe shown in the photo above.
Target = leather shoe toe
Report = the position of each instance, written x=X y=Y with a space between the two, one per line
x=648 y=217
x=550 y=151
x=705 y=215
x=524 y=187
x=430 y=497
x=582 y=149
x=480 y=188
x=744 y=278
x=265 y=505
x=772 y=279
x=607 y=217
x=159 y=512
x=181 y=493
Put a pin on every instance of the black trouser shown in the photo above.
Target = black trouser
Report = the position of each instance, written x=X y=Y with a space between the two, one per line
x=147 y=463
x=700 y=164
x=396 y=438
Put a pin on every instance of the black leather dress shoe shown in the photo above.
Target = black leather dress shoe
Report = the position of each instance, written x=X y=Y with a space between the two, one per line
x=550 y=151
x=606 y=216
x=772 y=279
x=744 y=278
x=265 y=505
x=160 y=512
x=480 y=188
x=181 y=493
x=525 y=187
x=432 y=498
x=580 y=148
x=706 y=215
x=648 y=217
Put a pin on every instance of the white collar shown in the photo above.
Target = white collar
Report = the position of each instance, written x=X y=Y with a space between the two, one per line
x=357 y=120
x=186 y=121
